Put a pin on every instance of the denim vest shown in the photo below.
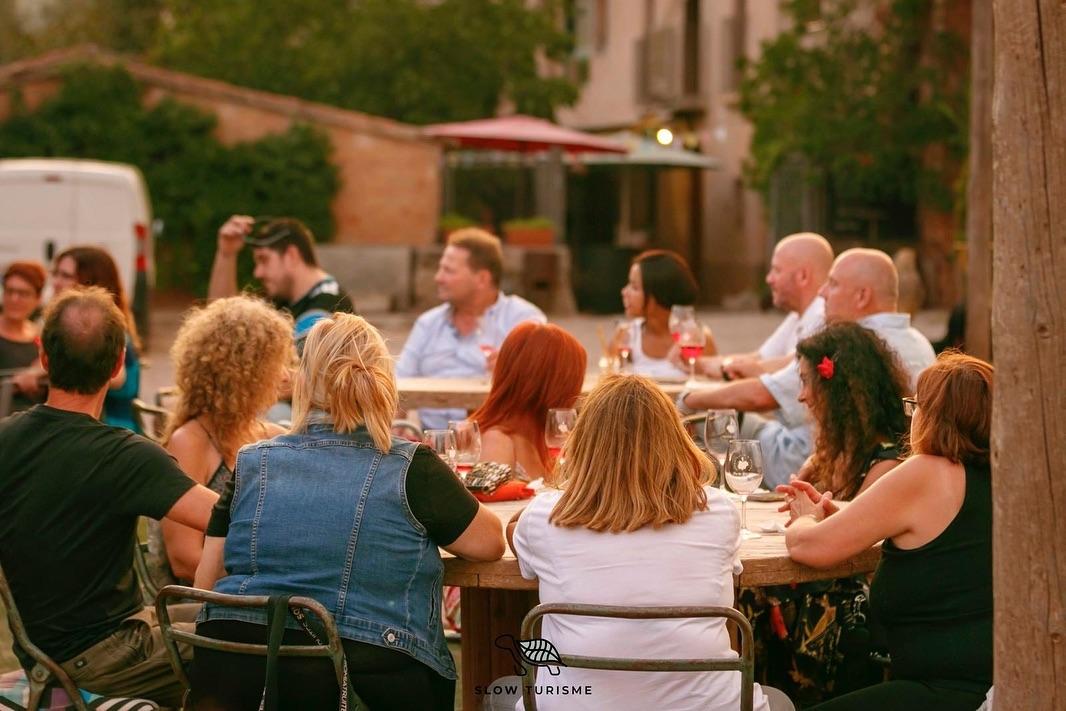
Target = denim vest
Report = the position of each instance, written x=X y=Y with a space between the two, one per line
x=325 y=515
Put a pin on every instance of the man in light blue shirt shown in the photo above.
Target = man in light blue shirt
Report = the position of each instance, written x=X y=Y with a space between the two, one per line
x=460 y=338
x=863 y=286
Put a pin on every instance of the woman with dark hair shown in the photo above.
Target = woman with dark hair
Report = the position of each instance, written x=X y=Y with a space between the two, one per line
x=658 y=280
x=932 y=590
x=540 y=366
x=23 y=282
x=92 y=266
x=852 y=384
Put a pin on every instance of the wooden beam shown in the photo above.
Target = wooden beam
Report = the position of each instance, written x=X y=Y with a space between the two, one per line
x=1029 y=344
x=979 y=188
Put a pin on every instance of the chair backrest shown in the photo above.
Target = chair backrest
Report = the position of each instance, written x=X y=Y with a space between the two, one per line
x=151 y=419
x=45 y=672
x=165 y=393
x=7 y=394
x=744 y=662
x=140 y=565
x=331 y=649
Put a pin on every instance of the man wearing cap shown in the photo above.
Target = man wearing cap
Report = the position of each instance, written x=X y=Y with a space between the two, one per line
x=285 y=264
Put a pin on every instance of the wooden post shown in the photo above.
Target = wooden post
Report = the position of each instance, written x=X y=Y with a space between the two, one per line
x=1029 y=343
x=979 y=188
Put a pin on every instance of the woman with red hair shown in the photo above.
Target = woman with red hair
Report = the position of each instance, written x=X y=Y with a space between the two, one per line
x=540 y=366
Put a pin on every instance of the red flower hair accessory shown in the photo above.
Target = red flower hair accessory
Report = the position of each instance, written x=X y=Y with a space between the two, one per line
x=826 y=368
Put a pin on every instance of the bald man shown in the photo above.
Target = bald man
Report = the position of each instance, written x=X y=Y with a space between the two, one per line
x=798 y=268
x=862 y=287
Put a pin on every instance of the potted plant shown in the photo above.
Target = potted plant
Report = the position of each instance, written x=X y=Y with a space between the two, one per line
x=452 y=221
x=529 y=232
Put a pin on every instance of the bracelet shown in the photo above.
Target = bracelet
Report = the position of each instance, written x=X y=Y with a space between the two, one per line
x=725 y=374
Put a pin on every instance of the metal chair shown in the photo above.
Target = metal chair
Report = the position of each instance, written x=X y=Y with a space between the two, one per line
x=149 y=589
x=693 y=424
x=331 y=649
x=167 y=391
x=744 y=662
x=46 y=673
x=150 y=419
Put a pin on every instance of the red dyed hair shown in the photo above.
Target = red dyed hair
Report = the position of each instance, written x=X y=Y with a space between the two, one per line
x=540 y=366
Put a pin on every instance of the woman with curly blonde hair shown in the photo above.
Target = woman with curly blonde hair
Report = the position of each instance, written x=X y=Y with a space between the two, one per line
x=230 y=357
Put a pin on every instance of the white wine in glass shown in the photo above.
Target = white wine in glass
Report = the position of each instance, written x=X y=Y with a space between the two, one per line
x=743 y=473
x=443 y=443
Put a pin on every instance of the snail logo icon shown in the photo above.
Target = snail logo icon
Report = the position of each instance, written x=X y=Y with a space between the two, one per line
x=535 y=652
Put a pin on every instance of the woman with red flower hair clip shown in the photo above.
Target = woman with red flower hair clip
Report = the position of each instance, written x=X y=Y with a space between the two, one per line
x=852 y=385
x=811 y=639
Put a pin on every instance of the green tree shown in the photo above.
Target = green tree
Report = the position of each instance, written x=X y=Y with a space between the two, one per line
x=410 y=60
x=194 y=181
x=860 y=102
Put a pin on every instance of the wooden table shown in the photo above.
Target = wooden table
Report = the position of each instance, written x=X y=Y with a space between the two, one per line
x=495 y=596
x=469 y=393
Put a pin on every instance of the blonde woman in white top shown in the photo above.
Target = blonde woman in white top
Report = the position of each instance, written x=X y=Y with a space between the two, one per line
x=635 y=522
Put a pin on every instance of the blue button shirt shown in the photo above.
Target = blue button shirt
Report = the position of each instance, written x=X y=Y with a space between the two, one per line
x=435 y=348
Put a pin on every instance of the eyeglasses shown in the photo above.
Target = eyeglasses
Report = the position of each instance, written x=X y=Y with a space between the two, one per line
x=910 y=404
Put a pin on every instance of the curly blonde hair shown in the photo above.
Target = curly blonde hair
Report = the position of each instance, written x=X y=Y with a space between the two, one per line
x=229 y=357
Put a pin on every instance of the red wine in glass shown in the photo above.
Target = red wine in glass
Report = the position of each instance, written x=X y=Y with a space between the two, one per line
x=554 y=452
x=486 y=349
x=690 y=352
x=463 y=468
x=676 y=335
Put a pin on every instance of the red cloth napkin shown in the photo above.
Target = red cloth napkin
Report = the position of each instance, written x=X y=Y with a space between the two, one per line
x=513 y=490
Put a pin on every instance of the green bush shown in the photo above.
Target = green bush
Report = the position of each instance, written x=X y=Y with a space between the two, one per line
x=529 y=223
x=195 y=183
x=454 y=221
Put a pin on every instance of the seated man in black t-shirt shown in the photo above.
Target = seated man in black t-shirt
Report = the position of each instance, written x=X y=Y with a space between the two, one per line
x=72 y=491
x=283 y=250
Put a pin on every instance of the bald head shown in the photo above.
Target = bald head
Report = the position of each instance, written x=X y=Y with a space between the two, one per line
x=799 y=267
x=83 y=339
x=862 y=282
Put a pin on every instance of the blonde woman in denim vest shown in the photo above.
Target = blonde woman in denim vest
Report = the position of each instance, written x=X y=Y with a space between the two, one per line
x=341 y=511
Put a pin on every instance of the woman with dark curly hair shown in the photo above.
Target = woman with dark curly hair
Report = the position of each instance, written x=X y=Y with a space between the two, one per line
x=852 y=384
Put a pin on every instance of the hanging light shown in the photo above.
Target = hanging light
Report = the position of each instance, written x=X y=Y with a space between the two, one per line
x=664 y=136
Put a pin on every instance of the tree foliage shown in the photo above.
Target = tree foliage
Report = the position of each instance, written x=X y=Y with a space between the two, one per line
x=860 y=101
x=195 y=182
x=410 y=60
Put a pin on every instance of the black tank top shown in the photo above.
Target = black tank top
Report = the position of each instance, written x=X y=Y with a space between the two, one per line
x=936 y=601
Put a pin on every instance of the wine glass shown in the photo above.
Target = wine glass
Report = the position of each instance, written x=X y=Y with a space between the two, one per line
x=484 y=340
x=467 y=444
x=557 y=430
x=443 y=443
x=691 y=338
x=678 y=315
x=743 y=473
x=719 y=429
x=623 y=343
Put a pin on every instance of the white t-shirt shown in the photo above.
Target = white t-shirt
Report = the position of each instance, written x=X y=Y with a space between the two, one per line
x=793 y=329
x=688 y=564
x=645 y=364
x=910 y=346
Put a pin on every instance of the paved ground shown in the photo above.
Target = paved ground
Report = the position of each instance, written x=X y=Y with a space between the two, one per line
x=734 y=331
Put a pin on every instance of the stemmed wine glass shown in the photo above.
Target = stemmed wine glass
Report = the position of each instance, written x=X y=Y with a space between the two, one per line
x=623 y=342
x=443 y=443
x=678 y=315
x=719 y=429
x=467 y=444
x=743 y=473
x=484 y=340
x=557 y=430
x=691 y=338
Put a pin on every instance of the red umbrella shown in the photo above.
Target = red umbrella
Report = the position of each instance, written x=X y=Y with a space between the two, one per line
x=524 y=134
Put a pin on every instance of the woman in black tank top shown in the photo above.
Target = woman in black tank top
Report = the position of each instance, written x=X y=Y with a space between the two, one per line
x=933 y=587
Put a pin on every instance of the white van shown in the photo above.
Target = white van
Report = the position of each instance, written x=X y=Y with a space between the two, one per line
x=49 y=204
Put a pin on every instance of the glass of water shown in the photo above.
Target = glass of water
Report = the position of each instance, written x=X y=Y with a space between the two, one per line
x=743 y=473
